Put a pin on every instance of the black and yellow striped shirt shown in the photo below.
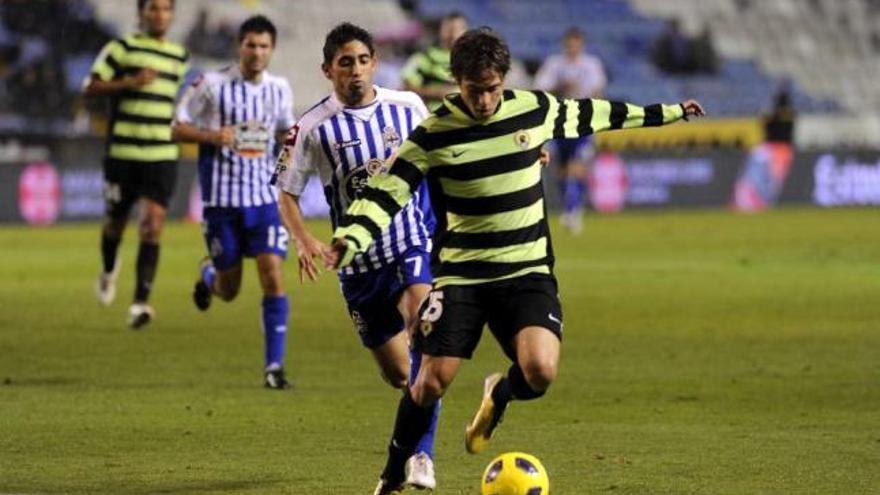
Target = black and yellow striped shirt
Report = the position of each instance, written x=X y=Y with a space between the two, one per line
x=140 y=123
x=429 y=68
x=485 y=181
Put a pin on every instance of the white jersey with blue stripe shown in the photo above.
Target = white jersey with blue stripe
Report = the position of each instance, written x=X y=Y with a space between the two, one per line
x=238 y=176
x=347 y=145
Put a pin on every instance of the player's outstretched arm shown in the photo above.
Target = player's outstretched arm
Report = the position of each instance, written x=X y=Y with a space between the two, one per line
x=589 y=116
x=307 y=246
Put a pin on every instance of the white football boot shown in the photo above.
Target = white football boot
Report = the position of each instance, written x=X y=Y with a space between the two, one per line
x=105 y=286
x=139 y=314
x=420 y=472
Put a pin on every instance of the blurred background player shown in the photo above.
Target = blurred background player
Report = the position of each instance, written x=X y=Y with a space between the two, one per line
x=573 y=74
x=427 y=72
x=142 y=73
x=234 y=115
x=493 y=258
x=346 y=139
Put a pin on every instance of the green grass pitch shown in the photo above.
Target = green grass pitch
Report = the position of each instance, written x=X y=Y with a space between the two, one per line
x=704 y=353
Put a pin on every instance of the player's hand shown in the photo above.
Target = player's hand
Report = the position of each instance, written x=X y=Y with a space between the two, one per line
x=334 y=253
x=225 y=137
x=307 y=249
x=692 y=108
x=544 y=157
x=141 y=78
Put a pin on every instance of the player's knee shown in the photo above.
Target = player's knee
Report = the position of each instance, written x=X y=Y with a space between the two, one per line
x=540 y=373
x=272 y=285
x=226 y=291
x=397 y=378
x=151 y=229
x=428 y=390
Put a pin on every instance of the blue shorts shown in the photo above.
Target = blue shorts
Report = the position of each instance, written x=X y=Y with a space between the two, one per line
x=372 y=296
x=568 y=150
x=233 y=233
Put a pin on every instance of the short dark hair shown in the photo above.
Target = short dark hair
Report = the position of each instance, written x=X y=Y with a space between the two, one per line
x=342 y=34
x=479 y=50
x=257 y=24
x=143 y=3
x=455 y=14
x=573 y=32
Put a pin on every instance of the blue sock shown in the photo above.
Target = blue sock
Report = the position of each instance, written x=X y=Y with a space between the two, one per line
x=208 y=274
x=573 y=194
x=426 y=443
x=275 y=311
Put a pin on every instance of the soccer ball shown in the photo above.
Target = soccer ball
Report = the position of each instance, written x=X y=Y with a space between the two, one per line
x=515 y=473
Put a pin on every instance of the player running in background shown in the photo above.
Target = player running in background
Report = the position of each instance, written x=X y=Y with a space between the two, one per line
x=234 y=114
x=573 y=74
x=493 y=259
x=142 y=74
x=427 y=72
x=346 y=139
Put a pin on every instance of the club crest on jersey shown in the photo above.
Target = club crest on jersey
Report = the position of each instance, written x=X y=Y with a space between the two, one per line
x=390 y=137
x=251 y=139
x=375 y=166
x=522 y=139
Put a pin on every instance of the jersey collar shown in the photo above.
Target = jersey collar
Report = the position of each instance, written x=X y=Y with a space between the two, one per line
x=456 y=104
x=363 y=112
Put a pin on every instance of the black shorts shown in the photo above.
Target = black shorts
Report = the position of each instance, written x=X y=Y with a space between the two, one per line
x=126 y=181
x=453 y=316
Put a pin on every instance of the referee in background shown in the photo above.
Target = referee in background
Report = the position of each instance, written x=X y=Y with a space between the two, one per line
x=141 y=73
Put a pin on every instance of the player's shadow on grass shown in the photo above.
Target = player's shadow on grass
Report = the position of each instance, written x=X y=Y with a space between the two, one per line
x=45 y=381
x=200 y=486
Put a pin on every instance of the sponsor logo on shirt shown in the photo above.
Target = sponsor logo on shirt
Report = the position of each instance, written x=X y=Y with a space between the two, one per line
x=251 y=139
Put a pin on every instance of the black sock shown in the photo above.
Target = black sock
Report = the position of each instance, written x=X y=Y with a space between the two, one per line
x=519 y=387
x=109 y=247
x=147 y=260
x=411 y=423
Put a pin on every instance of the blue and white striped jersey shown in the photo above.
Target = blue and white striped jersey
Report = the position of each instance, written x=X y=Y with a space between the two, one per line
x=238 y=176
x=347 y=145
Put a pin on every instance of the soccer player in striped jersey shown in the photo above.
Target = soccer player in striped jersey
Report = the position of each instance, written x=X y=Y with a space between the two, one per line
x=142 y=73
x=427 y=72
x=492 y=258
x=234 y=114
x=346 y=139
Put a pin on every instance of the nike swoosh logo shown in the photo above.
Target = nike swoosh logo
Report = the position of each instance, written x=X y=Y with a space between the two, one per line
x=554 y=319
x=456 y=154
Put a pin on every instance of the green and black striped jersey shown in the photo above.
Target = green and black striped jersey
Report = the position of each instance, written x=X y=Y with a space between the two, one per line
x=429 y=68
x=485 y=181
x=140 y=123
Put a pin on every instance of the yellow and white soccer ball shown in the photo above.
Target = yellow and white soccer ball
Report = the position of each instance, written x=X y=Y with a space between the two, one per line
x=515 y=473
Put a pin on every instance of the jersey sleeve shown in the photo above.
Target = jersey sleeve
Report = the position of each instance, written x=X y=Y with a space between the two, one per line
x=386 y=193
x=194 y=106
x=569 y=118
x=108 y=64
x=297 y=161
x=420 y=110
x=286 y=119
